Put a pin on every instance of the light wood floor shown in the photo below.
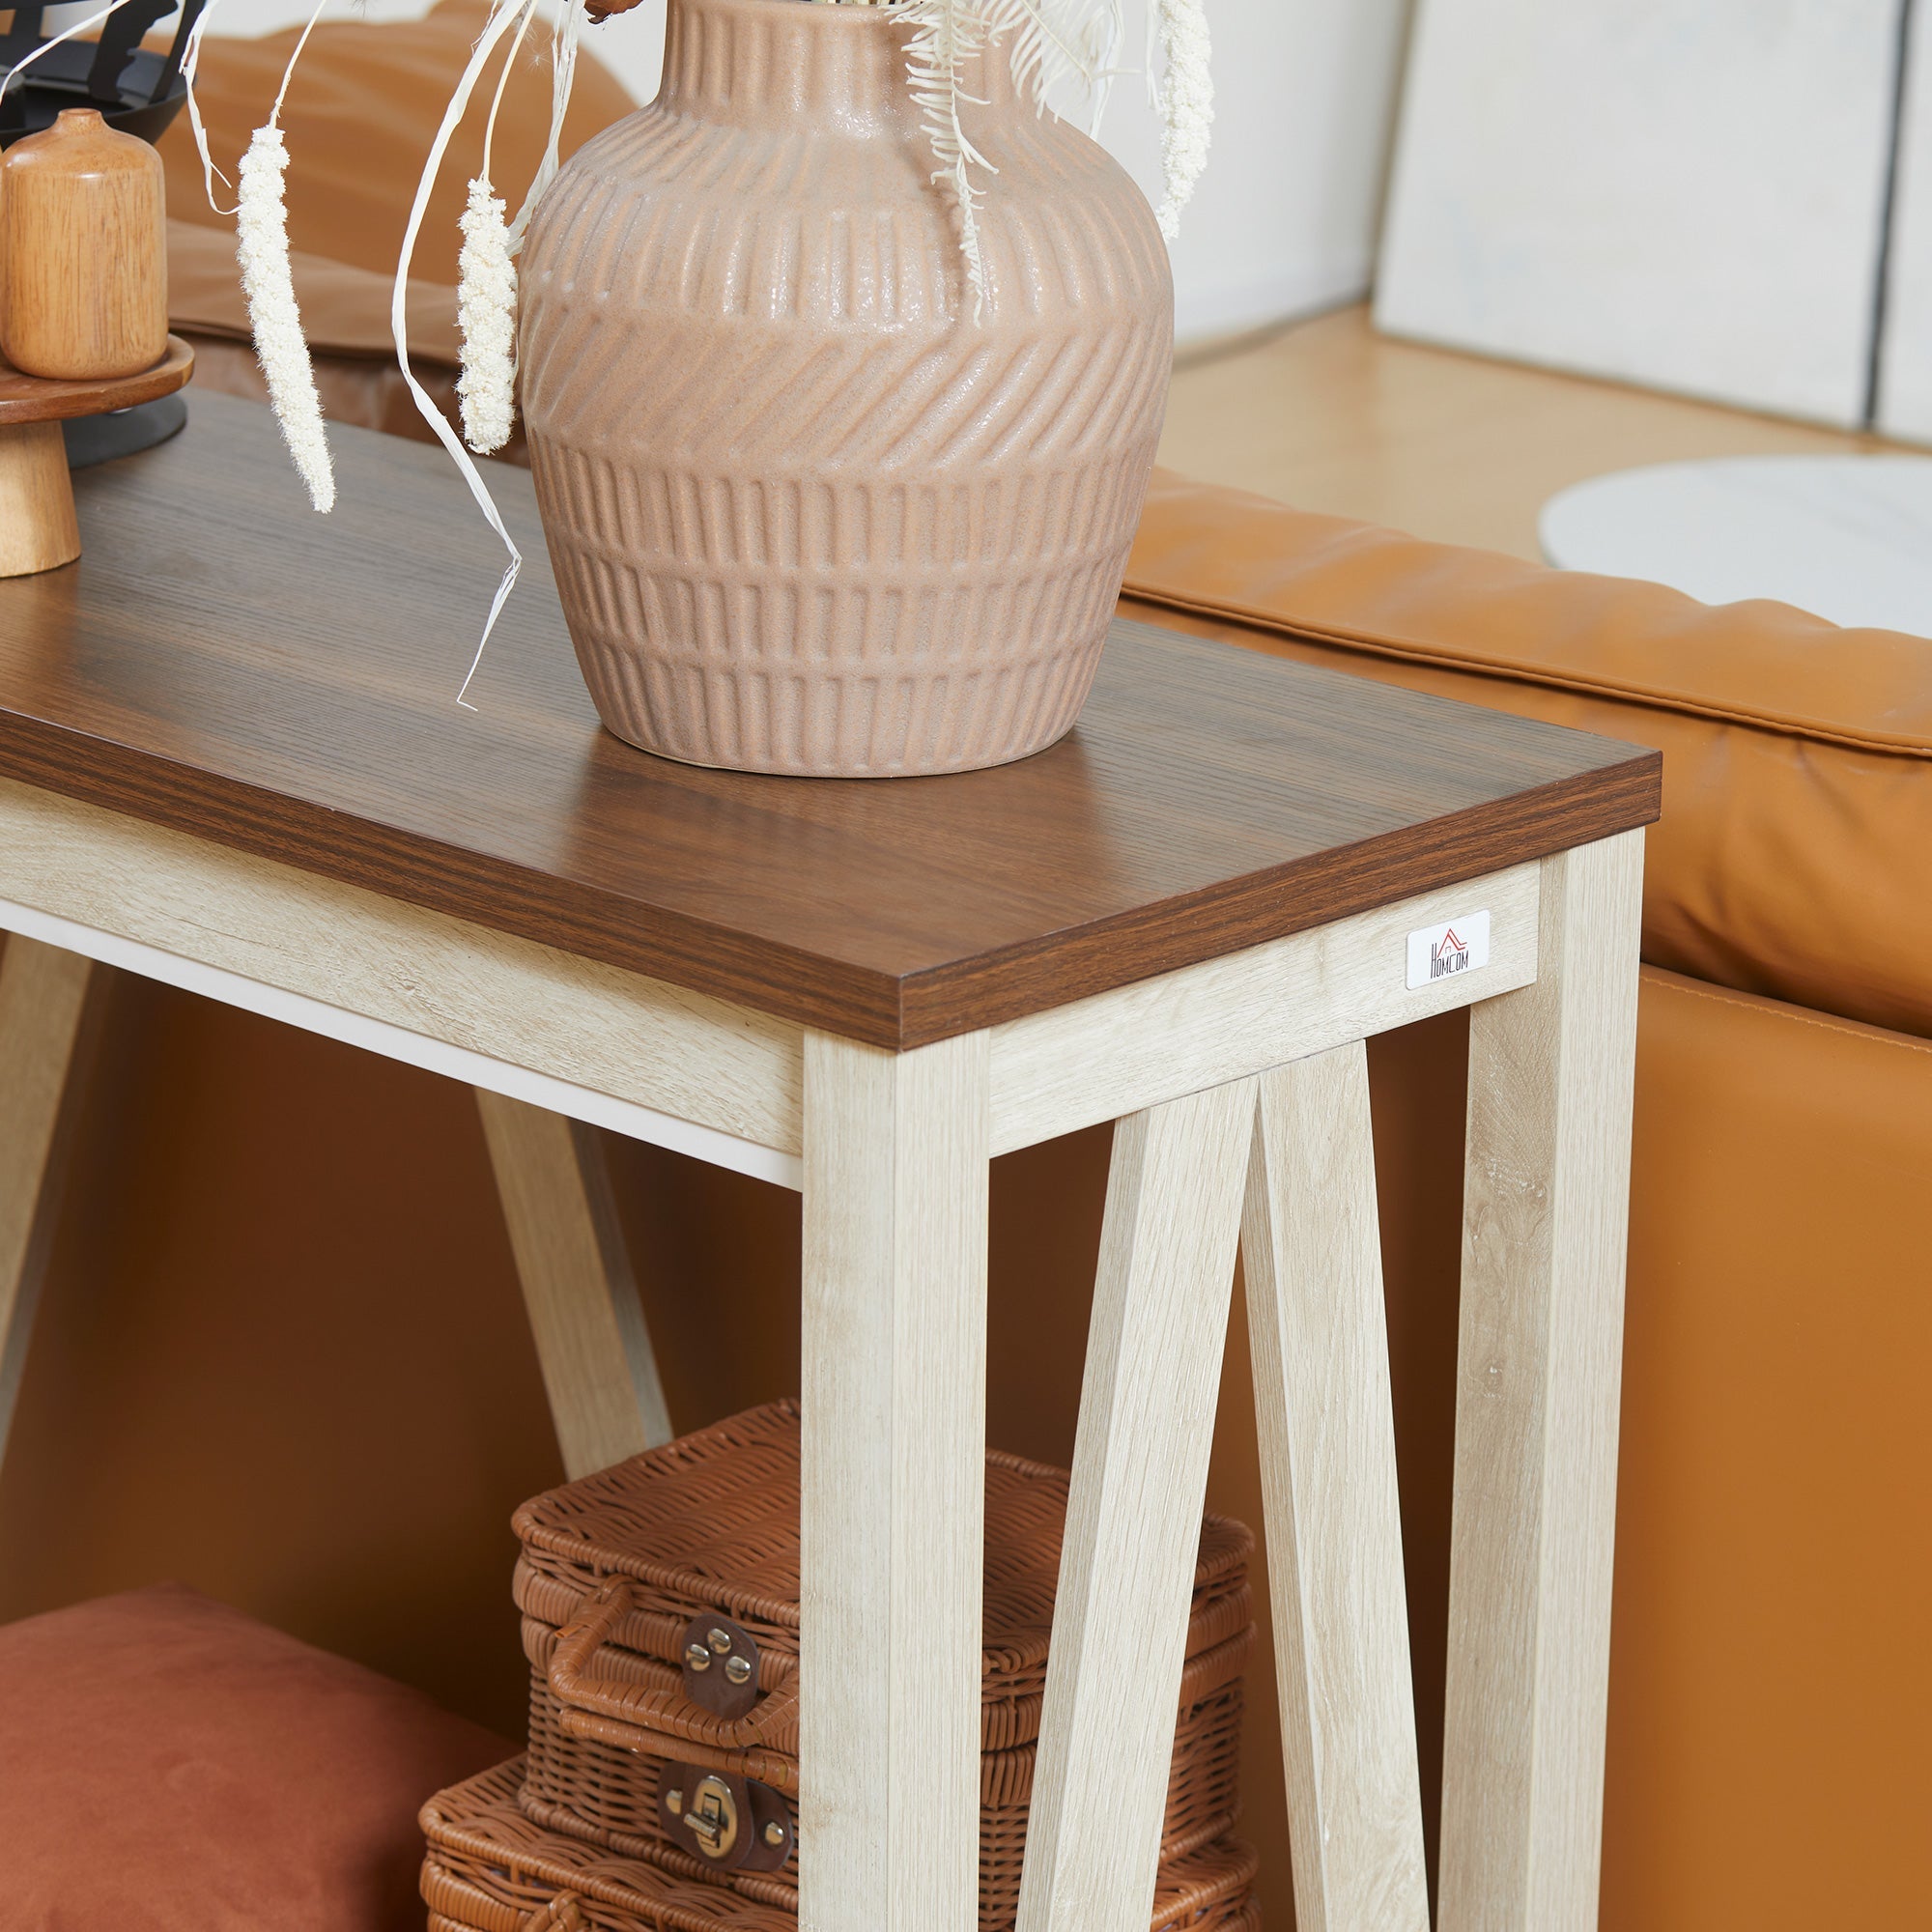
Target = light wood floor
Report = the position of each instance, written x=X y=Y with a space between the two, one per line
x=1328 y=416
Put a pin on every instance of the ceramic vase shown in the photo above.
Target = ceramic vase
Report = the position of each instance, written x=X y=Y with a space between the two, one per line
x=808 y=512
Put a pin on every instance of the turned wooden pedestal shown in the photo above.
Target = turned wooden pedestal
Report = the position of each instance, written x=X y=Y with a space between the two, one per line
x=1185 y=918
x=38 y=528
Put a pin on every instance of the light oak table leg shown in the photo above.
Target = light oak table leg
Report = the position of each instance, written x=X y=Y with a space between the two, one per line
x=1540 y=1358
x=599 y=1371
x=891 y=1546
x=47 y=997
x=1311 y=1246
x=1133 y=1519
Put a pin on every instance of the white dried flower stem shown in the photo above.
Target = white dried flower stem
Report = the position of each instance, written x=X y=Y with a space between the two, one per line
x=1048 y=43
x=262 y=247
x=564 y=34
x=1187 y=106
x=946 y=33
x=486 y=310
x=192 y=82
x=504 y=16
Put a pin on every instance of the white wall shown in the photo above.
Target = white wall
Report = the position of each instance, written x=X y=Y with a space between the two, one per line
x=1284 y=219
x=1282 y=222
x=1682 y=193
x=1905 y=356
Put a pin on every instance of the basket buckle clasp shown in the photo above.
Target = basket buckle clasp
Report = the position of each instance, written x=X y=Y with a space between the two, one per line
x=733 y=1823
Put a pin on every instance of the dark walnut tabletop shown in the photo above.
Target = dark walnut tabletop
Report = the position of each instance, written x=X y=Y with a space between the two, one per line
x=225 y=661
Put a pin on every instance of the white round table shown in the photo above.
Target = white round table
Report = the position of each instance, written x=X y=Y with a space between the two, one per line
x=1846 y=537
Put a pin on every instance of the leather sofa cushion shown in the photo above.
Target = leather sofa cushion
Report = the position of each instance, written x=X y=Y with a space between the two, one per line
x=360 y=116
x=346 y=313
x=1795 y=853
x=169 y=1764
x=345 y=310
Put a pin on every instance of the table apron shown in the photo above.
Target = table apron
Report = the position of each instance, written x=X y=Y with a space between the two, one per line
x=650 y=1060
x=678 y=1069
x=1140 y=1045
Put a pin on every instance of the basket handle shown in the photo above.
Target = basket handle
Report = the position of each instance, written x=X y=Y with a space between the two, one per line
x=668 y=1712
x=448 y=1894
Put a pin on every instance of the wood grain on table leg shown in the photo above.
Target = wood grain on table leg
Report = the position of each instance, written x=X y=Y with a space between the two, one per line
x=49 y=1005
x=1133 y=1519
x=1540 y=1360
x=38 y=528
x=599 y=1369
x=896 y=1149
x=1311 y=1248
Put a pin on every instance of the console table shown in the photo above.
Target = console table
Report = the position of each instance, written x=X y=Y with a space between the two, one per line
x=230 y=758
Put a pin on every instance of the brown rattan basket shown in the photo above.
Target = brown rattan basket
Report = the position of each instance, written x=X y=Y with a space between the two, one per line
x=617 y=1567
x=489 y=1869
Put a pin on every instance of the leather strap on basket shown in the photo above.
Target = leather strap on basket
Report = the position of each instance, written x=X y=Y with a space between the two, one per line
x=664 y=1711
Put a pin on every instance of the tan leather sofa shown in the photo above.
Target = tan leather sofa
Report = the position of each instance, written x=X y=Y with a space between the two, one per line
x=1771 y=1686
x=1770 y=1692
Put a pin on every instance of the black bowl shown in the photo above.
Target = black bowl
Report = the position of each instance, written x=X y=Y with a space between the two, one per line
x=60 y=80
x=135 y=89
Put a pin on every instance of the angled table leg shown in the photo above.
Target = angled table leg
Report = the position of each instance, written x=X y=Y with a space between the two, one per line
x=1545 y=1218
x=892 y=1544
x=594 y=1349
x=46 y=999
x=1133 y=1519
x=1311 y=1246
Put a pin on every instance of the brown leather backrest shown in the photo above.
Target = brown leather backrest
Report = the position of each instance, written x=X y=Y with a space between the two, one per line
x=345 y=310
x=360 y=116
x=1795 y=853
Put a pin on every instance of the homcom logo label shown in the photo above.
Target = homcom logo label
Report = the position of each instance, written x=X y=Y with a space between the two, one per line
x=1448 y=956
x=1458 y=945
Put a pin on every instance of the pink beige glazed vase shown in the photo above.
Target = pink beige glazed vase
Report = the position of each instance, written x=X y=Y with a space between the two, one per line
x=809 y=513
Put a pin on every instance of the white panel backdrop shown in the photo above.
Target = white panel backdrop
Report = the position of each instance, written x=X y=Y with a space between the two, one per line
x=1905 y=391
x=1285 y=220
x=1683 y=193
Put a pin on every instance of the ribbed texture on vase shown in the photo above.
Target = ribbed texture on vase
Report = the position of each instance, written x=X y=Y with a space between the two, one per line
x=807 y=514
x=745 y=61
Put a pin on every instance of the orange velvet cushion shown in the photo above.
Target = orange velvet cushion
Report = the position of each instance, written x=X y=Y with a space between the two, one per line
x=168 y=1765
x=1792 y=858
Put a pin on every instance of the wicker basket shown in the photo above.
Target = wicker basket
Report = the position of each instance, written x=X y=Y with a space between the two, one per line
x=621 y=1570
x=489 y=1869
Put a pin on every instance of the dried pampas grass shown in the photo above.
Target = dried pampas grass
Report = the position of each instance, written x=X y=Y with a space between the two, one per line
x=486 y=291
x=1057 y=47
x=505 y=14
x=946 y=33
x=1052 y=44
x=1187 y=106
x=486 y=312
x=262 y=247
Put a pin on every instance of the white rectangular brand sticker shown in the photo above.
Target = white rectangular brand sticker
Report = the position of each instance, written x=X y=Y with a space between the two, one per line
x=1458 y=946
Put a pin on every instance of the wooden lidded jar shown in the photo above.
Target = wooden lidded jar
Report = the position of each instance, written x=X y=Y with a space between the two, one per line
x=83 y=252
